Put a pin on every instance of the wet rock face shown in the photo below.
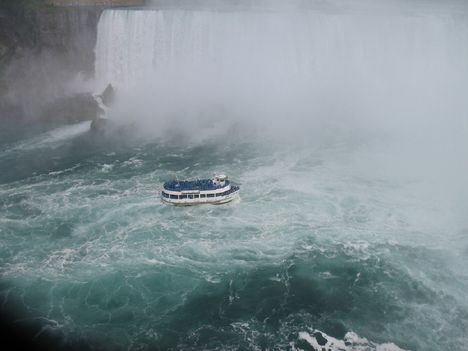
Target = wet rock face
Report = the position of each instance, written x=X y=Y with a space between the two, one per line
x=104 y=127
x=108 y=95
x=7 y=38
x=72 y=109
x=97 y=2
x=100 y=125
x=44 y=46
x=17 y=27
x=71 y=31
x=41 y=53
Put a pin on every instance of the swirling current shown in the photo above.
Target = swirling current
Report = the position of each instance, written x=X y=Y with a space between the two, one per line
x=313 y=253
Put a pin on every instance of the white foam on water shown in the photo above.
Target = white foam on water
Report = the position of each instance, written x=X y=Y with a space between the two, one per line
x=350 y=342
x=106 y=168
x=131 y=228
x=52 y=138
x=67 y=170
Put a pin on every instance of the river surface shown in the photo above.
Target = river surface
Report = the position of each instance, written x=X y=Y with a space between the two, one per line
x=316 y=242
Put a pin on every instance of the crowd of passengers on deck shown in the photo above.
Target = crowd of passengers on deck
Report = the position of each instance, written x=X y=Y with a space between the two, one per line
x=193 y=185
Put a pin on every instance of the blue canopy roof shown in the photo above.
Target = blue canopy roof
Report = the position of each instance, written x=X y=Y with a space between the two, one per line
x=201 y=184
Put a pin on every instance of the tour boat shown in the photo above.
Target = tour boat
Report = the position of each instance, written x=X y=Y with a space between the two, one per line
x=217 y=190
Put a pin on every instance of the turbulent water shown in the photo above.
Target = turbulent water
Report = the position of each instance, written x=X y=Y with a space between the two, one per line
x=88 y=251
x=346 y=236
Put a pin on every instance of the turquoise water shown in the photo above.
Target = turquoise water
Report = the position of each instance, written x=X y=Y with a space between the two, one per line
x=324 y=242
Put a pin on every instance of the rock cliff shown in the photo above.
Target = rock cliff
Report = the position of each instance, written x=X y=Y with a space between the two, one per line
x=44 y=46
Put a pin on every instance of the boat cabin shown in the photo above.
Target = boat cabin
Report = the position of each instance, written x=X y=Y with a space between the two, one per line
x=215 y=190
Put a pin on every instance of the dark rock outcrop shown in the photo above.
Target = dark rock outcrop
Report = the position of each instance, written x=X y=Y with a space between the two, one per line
x=72 y=109
x=68 y=27
x=100 y=125
x=70 y=32
x=8 y=39
x=108 y=95
x=44 y=46
x=108 y=128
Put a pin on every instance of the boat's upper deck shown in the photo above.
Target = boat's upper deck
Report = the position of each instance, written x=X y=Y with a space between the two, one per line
x=200 y=184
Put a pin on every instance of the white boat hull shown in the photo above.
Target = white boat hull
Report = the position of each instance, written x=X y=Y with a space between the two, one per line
x=218 y=200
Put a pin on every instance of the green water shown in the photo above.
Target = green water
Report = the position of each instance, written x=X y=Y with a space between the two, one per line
x=90 y=258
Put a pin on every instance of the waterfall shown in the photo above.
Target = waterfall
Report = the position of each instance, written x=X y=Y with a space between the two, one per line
x=133 y=43
x=328 y=63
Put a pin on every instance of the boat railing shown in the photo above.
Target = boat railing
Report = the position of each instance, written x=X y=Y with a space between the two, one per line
x=197 y=195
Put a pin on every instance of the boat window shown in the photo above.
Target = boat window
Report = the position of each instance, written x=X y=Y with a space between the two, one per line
x=183 y=196
x=202 y=196
x=164 y=194
x=174 y=197
x=210 y=195
x=190 y=196
x=196 y=196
